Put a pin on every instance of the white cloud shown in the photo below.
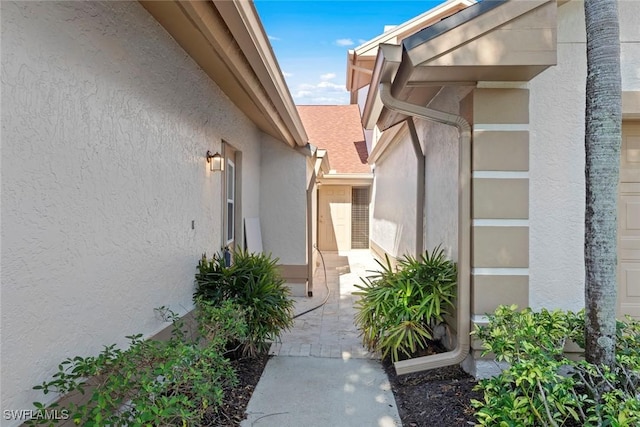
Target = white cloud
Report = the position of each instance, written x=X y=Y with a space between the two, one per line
x=323 y=92
x=284 y=73
x=274 y=38
x=328 y=76
x=344 y=42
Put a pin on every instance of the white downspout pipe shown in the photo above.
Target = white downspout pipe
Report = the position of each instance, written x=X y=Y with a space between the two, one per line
x=460 y=352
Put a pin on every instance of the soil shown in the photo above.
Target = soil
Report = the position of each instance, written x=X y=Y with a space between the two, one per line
x=237 y=398
x=440 y=397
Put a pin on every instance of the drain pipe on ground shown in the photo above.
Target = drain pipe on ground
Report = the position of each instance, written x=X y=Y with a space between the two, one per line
x=463 y=342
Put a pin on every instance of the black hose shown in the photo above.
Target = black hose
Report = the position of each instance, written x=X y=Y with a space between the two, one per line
x=326 y=284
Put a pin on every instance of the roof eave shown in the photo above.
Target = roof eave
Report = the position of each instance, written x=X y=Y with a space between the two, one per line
x=499 y=44
x=227 y=40
x=357 y=57
x=387 y=63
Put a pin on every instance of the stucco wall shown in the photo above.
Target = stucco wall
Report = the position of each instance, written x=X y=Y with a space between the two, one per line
x=283 y=202
x=630 y=44
x=557 y=158
x=105 y=125
x=441 y=148
x=393 y=220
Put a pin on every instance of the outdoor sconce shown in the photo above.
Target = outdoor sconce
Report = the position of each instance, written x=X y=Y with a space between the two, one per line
x=215 y=161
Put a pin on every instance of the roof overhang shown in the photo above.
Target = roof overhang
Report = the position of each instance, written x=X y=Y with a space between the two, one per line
x=322 y=162
x=495 y=40
x=353 y=179
x=228 y=42
x=361 y=60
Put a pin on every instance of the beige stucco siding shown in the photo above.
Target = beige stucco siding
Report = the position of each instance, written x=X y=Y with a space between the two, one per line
x=500 y=205
x=106 y=122
x=393 y=217
x=500 y=198
x=283 y=180
x=557 y=157
x=557 y=171
x=500 y=151
x=441 y=148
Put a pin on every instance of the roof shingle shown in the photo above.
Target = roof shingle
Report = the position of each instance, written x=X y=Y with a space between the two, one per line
x=337 y=129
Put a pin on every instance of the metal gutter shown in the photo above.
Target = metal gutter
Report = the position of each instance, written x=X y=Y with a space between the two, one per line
x=463 y=341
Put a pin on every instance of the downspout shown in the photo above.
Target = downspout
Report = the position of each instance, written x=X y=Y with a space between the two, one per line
x=419 y=187
x=310 y=263
x=463 y=343
x=312 y=152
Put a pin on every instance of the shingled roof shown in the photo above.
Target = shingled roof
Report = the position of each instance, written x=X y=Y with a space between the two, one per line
x=337 y=129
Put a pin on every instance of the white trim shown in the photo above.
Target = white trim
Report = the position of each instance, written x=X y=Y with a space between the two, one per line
x=501 y=174
x=501 y=126
x=230 y=223
x=480 y=319
x=495 y=271
x=500 y=222
x=503 y=85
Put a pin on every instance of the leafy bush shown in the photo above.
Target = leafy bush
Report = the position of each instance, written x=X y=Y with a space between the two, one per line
x=253 y=282
x=175 y=382
x=398 y=309
x=543 y=387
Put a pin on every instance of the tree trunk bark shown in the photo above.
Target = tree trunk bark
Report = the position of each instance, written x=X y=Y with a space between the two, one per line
x=603 y=120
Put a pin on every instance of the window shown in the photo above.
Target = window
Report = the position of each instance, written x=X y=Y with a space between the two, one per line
x=360 y=218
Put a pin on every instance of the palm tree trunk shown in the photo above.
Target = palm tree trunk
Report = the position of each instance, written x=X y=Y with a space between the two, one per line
x=603 y=120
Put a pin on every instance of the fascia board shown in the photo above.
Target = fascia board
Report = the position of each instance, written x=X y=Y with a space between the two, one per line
x=243 y=22
x=387 y=63
x=422 y=52
x=346 y=179
x=411 y=26
x=394 y=36
x=387 y=141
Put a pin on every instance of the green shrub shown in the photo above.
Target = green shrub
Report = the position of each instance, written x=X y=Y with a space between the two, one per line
x=398 y=309
x=175 y=382
x=253 y=282
x=541 y=387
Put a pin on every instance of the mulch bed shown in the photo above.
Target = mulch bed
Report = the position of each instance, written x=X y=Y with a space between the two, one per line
x=439 y=397
x=236 y=399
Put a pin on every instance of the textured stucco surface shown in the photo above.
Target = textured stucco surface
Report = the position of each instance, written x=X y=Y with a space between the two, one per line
x=393 y=226
x=393 y=218
x=441 y=148
x=556 y=213
x=283 y=201
x=105 y=124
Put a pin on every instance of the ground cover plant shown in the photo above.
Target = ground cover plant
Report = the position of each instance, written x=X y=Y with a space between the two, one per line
x=254 y=283
x=399 y=308
x=542 y=387
x=176 y=382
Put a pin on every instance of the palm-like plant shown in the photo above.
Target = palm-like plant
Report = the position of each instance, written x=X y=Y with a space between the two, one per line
x=254 y=283
x=399 y=308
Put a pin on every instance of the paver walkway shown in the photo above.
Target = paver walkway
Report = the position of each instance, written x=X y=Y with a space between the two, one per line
x=321 y=375
x=329 y=331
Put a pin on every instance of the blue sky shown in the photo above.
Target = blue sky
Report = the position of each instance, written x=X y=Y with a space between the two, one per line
x=311 y=38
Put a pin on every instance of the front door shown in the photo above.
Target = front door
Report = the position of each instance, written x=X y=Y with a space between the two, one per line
x=629 y=223
x=334 y=218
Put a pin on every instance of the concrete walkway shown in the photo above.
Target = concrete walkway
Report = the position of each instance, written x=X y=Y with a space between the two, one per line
x=320 y=374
